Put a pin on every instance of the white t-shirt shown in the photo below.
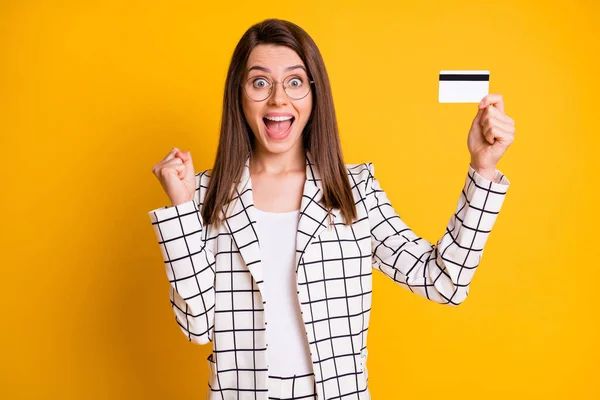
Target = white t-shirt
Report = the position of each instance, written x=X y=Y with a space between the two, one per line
x=287 y=349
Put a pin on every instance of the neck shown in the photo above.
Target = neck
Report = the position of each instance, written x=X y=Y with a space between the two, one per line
x=263 y=161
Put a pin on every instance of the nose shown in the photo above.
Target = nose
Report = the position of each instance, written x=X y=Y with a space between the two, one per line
x=278 y=96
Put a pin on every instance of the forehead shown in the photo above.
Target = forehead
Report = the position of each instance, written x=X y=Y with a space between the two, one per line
x=273 y=57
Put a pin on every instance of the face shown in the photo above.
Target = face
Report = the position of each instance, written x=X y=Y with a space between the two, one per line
x=278 y=120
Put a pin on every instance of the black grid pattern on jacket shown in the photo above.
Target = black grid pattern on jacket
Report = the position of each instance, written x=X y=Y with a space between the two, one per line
x=216 y=278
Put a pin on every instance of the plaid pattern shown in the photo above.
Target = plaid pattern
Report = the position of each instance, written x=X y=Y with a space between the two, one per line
x=217 y=280
x=292 y=388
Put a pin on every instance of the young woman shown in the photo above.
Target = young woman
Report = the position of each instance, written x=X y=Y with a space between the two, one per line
x=269 y=253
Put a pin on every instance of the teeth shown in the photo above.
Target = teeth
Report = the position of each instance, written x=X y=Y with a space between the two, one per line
x=281 y=118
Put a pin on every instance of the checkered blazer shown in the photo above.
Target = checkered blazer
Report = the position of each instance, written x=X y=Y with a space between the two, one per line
x=216 y=275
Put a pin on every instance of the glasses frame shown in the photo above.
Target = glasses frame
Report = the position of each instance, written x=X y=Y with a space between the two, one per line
x=272 y=85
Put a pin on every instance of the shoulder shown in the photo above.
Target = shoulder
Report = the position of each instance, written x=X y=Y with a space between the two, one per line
x=359 y=174
x=202 y=180
x=204 y=175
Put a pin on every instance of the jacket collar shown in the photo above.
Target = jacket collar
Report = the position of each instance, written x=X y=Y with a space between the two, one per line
x=240 y=218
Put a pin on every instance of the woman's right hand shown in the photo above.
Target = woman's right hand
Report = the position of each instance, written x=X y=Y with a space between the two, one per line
x=176 y=175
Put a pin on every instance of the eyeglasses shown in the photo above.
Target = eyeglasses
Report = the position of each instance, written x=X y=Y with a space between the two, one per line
x=296 y=87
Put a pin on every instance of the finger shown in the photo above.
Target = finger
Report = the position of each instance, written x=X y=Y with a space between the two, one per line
x=505 y=128
x=479 y=116
x=494 y=133
x=489 y=135
x=167 y=161
x=174 y=162
x=185 y=156
x=176 y=167
x=493 y=121
x=166 y=172
x=485 y=117
x=171 y=154
x=493 y=111
x=495 y=100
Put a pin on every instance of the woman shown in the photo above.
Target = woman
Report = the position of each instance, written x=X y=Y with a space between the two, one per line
x=269 y=254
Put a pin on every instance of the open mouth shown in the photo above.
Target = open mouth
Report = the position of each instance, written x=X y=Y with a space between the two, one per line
x=278 y=128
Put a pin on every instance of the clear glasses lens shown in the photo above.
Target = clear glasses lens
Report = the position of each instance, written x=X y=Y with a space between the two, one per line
x=296 y=86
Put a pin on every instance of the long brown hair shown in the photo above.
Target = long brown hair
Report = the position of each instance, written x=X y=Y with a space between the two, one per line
x=320 y=135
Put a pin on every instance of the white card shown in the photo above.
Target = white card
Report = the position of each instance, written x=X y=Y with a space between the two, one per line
x=463 y=86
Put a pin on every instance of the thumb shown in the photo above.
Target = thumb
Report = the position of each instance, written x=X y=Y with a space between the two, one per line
x=477 y=119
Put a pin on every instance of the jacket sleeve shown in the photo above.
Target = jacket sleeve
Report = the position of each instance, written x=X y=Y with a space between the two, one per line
x=440 y=272
x=190 y=268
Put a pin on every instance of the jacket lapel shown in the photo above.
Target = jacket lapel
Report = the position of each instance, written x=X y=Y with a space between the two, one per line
x=314 y=217
x=240 y=219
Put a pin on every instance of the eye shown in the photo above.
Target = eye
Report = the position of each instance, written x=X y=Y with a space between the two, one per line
x=260 y=83
x=295 y=82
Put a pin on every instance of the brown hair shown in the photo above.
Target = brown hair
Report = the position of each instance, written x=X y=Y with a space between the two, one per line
x=320 y=135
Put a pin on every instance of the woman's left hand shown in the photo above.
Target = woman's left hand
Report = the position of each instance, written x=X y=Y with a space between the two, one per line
x=491 y=133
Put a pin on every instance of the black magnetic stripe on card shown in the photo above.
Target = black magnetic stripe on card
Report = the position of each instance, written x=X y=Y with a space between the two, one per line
x=464 y=77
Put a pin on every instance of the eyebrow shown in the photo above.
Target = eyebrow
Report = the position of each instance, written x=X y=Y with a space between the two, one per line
x=269 y=71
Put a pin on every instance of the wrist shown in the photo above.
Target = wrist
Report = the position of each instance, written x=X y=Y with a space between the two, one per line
x=179 y=202
x=489 y=174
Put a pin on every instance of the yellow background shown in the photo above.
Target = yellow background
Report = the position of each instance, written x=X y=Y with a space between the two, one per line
x=94 y=93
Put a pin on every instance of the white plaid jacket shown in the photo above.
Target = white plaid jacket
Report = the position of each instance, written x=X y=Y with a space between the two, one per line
x=216 y=275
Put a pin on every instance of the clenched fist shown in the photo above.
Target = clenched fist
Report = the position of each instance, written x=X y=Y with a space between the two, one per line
x=176 y=175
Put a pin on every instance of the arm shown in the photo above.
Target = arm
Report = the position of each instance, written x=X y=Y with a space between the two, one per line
x=190 y=268
x=440 y=272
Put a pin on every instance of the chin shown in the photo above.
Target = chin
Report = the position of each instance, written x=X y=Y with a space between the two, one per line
x=278 y=146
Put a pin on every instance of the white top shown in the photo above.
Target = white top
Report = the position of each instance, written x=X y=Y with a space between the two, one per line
x=287 y=351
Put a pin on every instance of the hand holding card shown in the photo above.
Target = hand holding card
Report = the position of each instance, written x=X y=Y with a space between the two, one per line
x=491 y=133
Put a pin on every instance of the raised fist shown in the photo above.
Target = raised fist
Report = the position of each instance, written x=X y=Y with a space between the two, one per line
x=176 y=175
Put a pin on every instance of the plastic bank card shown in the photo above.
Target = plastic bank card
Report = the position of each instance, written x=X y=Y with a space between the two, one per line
x=463 y=86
